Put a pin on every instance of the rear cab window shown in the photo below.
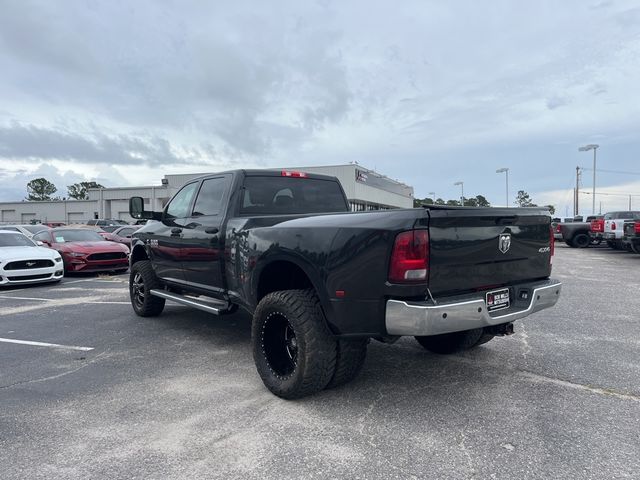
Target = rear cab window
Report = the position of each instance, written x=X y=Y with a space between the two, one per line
x=270 y=195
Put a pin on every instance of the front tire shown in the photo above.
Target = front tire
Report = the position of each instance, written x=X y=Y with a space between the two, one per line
x=454 y=342
x=293 y=349
x=141 y=281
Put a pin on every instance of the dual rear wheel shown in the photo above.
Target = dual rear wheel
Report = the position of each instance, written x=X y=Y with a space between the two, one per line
x=295 y=353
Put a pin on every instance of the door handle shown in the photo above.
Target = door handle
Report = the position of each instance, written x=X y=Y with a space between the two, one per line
x=176 y=231
x=211 y=230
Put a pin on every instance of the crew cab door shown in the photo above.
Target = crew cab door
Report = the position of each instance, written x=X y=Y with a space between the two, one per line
x=202 y=244
x=165 y=240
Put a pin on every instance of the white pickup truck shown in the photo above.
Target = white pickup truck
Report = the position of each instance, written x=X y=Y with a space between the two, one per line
x=613 y=226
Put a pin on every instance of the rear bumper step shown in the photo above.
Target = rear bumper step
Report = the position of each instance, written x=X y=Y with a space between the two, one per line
x=425 y=318
x=216 y=308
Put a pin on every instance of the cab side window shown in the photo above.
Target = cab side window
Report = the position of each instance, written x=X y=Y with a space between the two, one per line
x=209 y=200
x=179 y=205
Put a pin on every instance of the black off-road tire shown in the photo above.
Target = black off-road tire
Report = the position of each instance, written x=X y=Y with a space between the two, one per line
x=349 y=361
x=581 y=240
x=454 y=342
x=142 y=280
x=293 y=349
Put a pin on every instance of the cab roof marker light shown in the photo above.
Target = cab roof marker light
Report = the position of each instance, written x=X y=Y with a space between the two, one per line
x=289 y=173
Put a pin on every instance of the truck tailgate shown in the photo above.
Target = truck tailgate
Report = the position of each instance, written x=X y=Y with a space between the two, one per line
x=480 y=248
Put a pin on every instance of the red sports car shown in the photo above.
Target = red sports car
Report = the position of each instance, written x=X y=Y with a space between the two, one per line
x=84 y=250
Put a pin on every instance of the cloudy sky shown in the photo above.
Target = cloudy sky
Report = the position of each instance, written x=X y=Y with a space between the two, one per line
x=426 y=92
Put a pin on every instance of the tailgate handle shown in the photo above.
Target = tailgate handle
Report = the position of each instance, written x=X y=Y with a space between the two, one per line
x=176 y=231
x=211 y=230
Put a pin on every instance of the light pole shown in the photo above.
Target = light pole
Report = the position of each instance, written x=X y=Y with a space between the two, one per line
x=505 y=170
x=461 y=192
x=586 y=148
x=433 y=194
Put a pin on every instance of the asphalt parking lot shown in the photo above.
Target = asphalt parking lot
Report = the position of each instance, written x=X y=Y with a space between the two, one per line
x=178 y=396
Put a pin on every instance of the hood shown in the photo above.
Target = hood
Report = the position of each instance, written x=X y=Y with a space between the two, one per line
x=27 y=253
x=91 y=247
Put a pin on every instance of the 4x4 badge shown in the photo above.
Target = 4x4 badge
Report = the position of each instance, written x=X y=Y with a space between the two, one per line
x=504 y=242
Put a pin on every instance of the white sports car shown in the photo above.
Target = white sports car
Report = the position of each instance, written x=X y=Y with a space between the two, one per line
x=22 y=261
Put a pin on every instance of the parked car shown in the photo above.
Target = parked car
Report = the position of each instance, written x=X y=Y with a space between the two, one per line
x=613 y=226
x=631 y=236
x=22 y=261
x=27 y=230
x=122 y=234
x=107 y=224
x=84 y=250
x=321 y=281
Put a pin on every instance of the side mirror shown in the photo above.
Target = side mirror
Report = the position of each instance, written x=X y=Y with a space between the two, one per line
x=136 y=208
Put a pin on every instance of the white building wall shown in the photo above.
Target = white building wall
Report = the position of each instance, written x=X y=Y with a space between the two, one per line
x=61 y=211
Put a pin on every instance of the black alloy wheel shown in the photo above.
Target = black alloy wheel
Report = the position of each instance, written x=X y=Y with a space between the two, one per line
x=279 y=345
x=142 y=280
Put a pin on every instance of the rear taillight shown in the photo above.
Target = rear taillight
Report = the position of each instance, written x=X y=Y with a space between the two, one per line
x=410 y=257
x=613 y=225
x=597 y=225
x=636 y=227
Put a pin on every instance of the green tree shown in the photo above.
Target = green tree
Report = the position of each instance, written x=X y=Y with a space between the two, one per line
x=79 y=190
x=40 y=189
x=453 y=203
x=482 y=201
x=439 y=201
x=551 y=208
x=524 y=200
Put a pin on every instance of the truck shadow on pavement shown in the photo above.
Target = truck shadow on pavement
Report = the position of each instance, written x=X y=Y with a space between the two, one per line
x=396 y=369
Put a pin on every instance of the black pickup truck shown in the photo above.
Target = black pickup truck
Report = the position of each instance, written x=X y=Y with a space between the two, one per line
x=321 y=281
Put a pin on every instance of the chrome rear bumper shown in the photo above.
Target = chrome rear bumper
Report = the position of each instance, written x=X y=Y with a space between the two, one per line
x=466 y=313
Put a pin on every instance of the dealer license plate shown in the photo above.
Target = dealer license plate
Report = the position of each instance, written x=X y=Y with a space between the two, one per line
x=497 y=299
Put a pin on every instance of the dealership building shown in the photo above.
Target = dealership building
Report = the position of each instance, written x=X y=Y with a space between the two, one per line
x=365 y=189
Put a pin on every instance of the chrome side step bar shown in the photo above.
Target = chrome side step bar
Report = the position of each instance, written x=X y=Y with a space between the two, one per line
x=214 y=307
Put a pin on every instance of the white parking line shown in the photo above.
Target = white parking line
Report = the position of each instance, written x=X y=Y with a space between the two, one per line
x=112 y=303
x=25 y=298
x=42 y=344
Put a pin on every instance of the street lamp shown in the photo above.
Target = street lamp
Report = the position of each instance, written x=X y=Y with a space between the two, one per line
x=461 y=192
x=505 y=170
x=433 y=194
x=586 y=148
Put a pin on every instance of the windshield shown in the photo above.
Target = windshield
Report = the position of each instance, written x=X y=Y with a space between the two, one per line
x=285 y=195
x=34 y=228
x=63 y=236
x=15 y=240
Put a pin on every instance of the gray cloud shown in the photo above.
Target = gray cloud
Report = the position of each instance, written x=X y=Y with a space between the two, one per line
x=423 y=90
x=30 y=142
x=226 y=71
